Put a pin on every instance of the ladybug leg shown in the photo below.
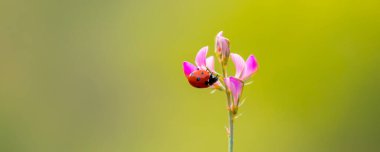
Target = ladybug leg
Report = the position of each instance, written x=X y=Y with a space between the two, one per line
x=216 y=73
x=207 y=69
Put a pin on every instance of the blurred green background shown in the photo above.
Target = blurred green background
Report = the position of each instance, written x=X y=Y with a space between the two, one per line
x=106 y=76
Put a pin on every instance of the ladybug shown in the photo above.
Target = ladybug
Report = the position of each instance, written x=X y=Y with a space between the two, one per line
x=202 y=78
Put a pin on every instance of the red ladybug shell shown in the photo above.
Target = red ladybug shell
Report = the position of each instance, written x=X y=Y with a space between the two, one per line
x=199 y=78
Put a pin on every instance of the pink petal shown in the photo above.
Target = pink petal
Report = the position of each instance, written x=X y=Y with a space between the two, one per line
x=188 y=68
x=250 y=68
x=239 y=64
x=210 y=63
x=219 y=34
x=218 y=37
x=200 y=59
x=218 y=48
x=223 y=44
x=227 y=82
x=236 y=87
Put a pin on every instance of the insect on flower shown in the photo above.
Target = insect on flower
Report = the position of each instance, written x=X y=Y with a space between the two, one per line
x=203 y=75
x=202 y=78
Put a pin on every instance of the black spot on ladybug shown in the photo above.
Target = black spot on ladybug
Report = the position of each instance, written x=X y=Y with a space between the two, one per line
x=198 y=79
x=202 y=73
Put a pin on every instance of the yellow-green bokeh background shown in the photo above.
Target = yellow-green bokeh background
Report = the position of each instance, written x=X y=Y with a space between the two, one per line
x=106 y=76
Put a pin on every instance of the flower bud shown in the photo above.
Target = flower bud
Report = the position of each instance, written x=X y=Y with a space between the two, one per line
x=222 y=48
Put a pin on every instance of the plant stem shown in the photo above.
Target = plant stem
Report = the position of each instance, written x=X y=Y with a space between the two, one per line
x=230 y=115
x=231 y=134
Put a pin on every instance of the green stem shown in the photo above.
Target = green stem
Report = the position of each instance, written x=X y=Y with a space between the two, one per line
x=230 y=116
x=231 y=135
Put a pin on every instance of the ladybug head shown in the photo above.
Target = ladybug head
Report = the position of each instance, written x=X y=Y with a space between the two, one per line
x=212 y=79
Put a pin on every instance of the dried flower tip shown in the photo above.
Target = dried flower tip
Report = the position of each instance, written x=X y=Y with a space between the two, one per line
x=228 y=131
x=238 y=116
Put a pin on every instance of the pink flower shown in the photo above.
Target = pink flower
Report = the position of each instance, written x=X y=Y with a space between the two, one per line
x=235 y=86
x=201 y=62
x=222 y=48
x=244 y=69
